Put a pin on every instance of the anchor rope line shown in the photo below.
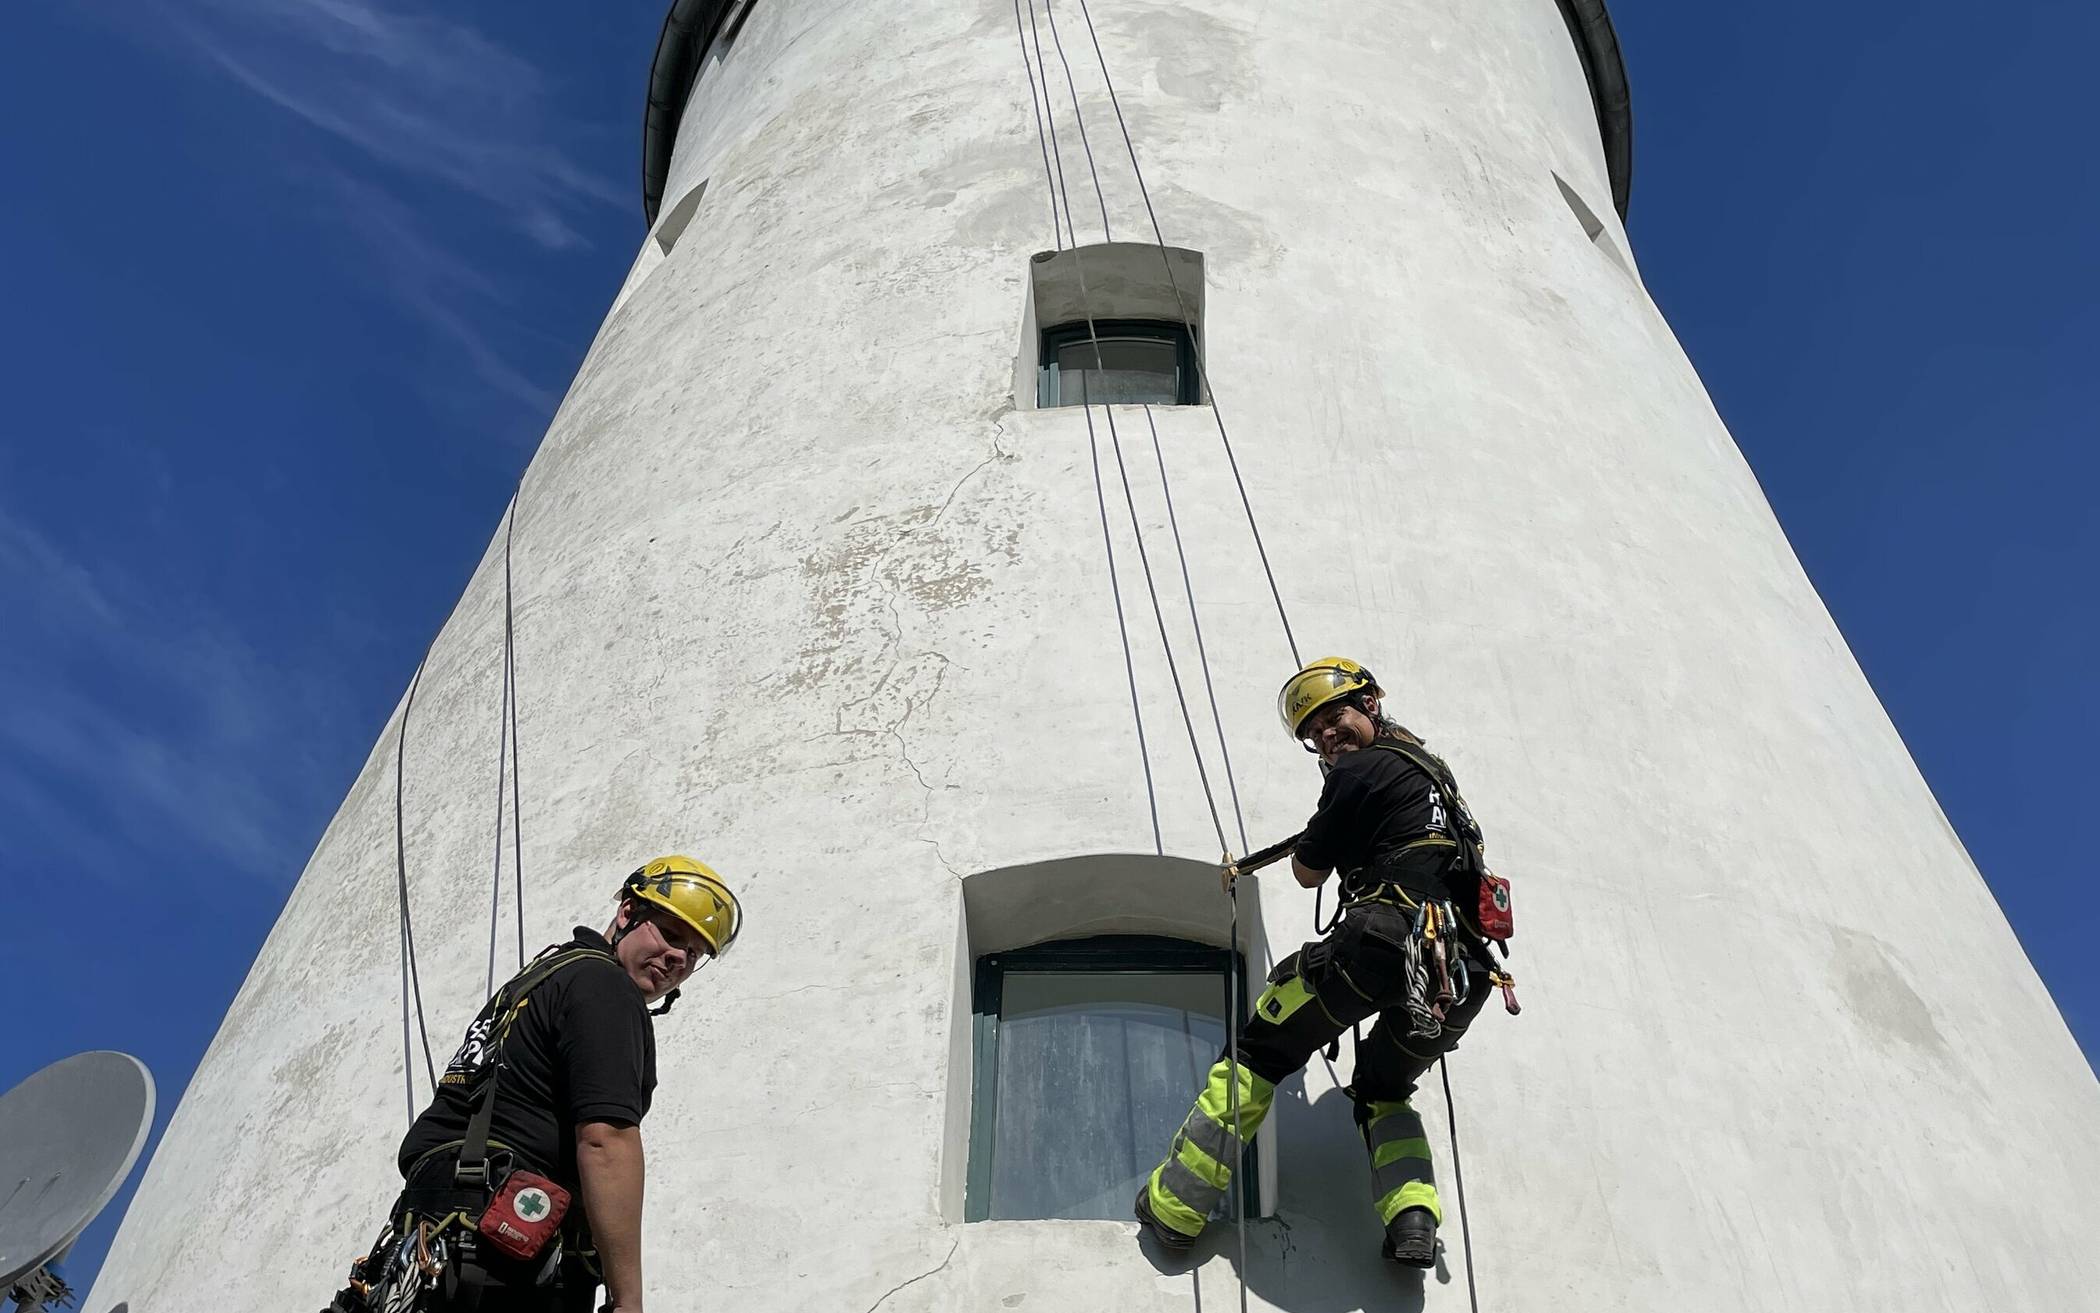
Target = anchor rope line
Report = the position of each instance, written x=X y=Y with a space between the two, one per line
x=1042 y=143
x=506 y=771
x=1159 y=616
x=1254 y=529
x=1458 y=1175
x=1197 y=347
x=1079 y=116
x=1188 y=587
x=1108 y=544
x=510 y=698
x=1122 y=468
x=1057 y=154
x=411 y=978
x=1237 y=1181
x=1282 y=614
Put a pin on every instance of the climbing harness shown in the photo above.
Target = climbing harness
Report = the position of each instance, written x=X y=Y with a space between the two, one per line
x=444 y=1221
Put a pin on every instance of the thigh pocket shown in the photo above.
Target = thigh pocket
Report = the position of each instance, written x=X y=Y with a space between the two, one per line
x=1283 y=1000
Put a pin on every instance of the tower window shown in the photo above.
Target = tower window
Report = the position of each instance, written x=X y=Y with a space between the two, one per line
x=1087 y=1053
x=1141 y=361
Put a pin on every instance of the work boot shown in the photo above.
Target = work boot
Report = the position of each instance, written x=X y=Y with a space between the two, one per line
x=1410 y=1238
x=1167 y=1236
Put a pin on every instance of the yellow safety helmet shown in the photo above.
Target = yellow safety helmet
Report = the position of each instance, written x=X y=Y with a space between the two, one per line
x=693 y=893
x=1328 y=679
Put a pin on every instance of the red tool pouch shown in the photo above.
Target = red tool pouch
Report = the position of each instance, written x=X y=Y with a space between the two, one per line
x=1495 y=919
x=524 y=1215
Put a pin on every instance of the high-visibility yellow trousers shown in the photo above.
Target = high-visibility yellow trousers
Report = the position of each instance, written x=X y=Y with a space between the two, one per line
x=1314 y=995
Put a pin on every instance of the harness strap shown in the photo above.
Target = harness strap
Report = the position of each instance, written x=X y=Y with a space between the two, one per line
x=472 y=1170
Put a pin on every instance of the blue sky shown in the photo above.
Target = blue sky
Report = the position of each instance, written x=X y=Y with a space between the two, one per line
x=292 y=287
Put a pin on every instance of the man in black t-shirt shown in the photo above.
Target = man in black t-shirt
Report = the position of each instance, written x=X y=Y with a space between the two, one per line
x=553 y=1078
x=1391 y=821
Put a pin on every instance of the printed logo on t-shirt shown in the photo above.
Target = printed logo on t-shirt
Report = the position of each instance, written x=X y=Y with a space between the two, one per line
x=473 y=1053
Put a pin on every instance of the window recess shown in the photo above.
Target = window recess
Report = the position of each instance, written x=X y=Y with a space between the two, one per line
x=1087 y=1054
x=1146 y=303
x=1140 y=362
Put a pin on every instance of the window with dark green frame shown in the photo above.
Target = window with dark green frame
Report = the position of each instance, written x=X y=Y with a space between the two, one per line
x=1088 y=1055
x=1141 y=362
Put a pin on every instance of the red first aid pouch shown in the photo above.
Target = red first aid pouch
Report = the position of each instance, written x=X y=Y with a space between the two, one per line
x=1495 y=920
x=524 y=1215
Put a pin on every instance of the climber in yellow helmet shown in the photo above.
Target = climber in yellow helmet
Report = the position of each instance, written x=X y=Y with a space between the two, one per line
x=1408 y=948
x=524 y=1175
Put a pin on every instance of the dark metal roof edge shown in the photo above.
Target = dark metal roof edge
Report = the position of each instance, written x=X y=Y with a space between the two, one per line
x=689 y=29
x=691 y=26
x=1597 y=42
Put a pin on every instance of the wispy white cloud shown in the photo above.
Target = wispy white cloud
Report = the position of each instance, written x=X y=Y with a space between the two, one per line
x=419 y=93
x=430 y=107
x=450 y=294
x=134 y=728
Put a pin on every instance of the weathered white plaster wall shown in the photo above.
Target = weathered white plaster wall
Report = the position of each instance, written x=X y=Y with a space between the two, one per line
x=801 y=592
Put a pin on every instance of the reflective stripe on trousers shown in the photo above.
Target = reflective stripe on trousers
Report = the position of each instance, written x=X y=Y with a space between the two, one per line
x=1401 y=1177
x=1188 y=1187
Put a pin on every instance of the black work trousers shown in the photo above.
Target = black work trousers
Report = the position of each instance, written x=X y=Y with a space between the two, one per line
x=1359 y=971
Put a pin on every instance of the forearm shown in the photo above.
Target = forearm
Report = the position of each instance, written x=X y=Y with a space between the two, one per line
x=1308 y=876
x=609 y=1170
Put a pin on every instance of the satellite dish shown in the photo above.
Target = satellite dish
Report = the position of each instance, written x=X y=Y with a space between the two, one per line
x=68 y=1138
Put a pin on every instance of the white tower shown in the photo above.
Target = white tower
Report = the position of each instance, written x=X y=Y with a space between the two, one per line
x=810 y=581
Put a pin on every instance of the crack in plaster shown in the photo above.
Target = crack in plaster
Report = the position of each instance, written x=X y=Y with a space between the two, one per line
x=917 y=1279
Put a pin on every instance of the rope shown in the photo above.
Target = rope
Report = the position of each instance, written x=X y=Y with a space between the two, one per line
x=1100 y=495
x=411 y=979
x=1188 y=587
x=1232 y=1100
x=1144 y=559
x=1189 y=324
x=1232 y=1018
x=1458 y=1173
x=510 y=698
x=1122 y=468
x=1056 y=235
x=1100 y=197
x=506 y=764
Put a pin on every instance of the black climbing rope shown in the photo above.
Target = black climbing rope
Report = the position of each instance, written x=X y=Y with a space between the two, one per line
x=1100 y=493
x=411 y=979
x=1458 y=1175
x=507 y=771
x=1188 y=323
x=1042 y=143
x=1238 y=1185
x=1188 y=588
x=510 y=699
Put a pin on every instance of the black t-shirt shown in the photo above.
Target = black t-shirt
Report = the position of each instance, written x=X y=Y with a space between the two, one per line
x=582 y=1050
x=1374 y=803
